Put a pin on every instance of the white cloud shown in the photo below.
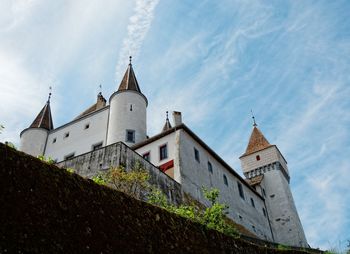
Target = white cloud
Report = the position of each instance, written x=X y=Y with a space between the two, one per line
x=139 y=24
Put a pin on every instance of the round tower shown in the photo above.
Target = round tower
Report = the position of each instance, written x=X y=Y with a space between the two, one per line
x=127 y=112
x=34 y=138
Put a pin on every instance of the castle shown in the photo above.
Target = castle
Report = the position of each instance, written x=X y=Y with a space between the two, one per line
x=262 y=202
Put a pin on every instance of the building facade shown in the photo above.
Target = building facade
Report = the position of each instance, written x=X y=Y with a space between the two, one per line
x=262 y=202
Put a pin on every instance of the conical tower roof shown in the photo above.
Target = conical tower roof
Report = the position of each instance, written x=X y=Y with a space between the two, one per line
x=129 y=81
x=257 y=142
x=167 y=125
x=44 y=118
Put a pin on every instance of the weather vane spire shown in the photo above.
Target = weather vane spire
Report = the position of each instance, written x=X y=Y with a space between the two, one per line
x=130 y=59
x=100 y=89
x=167 y=117
x=48 y=99
x=254 y=123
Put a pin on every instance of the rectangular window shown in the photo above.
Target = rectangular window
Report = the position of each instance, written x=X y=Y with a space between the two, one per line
x=69 y=156
x=163 y=152
x=87 y=126
x=196 y=154
x=252 y=202
x=54 y=140
x=225 y=180
x=130 y=136
x=66 y=135
x=210 y=167
x=147 y=156
x=96 y=146
x=240 y=190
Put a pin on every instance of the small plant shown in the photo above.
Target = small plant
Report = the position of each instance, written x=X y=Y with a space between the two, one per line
x=99 y=179
x=70 y=170
x=283 y=247
x=9 y=144
x=48 y=160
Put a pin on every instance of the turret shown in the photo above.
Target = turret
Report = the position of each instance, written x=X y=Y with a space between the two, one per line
x=34 y=138
x=127 y=113
x=266 y=170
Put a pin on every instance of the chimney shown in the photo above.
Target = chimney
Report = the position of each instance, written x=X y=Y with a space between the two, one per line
x=177 y=118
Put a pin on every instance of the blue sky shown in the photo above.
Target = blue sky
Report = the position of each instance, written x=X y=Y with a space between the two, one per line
x=288 y=61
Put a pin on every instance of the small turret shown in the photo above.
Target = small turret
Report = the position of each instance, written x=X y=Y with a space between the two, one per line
x=167 y=125
x=34 y=138
x=127 y=114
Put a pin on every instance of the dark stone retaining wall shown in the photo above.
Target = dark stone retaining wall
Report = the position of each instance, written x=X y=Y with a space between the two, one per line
x=119 y=154
x=45 y=209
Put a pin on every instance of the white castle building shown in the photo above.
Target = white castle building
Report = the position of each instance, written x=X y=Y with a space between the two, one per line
x=262 y=203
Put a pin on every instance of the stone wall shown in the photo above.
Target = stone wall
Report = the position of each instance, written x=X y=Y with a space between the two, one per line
x=119 y=154
x=45 y=209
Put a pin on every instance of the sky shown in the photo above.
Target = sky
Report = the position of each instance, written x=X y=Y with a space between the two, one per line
x=214 y=61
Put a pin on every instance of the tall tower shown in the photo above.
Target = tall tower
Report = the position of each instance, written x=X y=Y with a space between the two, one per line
x=266 y=169
x=127 y=112
x=34 y=138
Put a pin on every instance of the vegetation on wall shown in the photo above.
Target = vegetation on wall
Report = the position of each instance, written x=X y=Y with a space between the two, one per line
x=135 y=183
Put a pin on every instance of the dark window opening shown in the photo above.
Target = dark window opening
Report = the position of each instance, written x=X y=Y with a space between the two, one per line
x=87 y=126
x=272 y=196
x=130 y=107
x=225 y=180
x=163 y=152
x=147 y=156
x=264 y=212
x=196 y=154
x=258 y=157
x=54 y=140
x=240 y=190
x=96 y=146
x=66 y=135
x=252 y=202
x=210 y=167
x=130 y=136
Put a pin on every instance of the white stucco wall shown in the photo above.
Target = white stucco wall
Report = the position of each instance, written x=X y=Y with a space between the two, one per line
x=195 y=174
x=33 y=141
x=284 y=217
x=153 y=149
x=122 y=118
x=80 y=139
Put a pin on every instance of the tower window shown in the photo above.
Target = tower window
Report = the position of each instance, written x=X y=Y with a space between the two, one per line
x=130 y=136
x=54 y=140
x=252 y=202
x=163 y=152
x=66 y=135
x=87 y=126
x=225 y=180
x=196 y=154
x=258 y=157
x=210 y=167
x=147 y=156
x=240 y=190
x=130 y=107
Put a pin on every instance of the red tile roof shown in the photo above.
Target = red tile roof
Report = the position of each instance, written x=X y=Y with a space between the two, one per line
x=44 y=118
x=257 y=142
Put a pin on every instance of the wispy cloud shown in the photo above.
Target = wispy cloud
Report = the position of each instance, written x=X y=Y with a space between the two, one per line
x=139 y=24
